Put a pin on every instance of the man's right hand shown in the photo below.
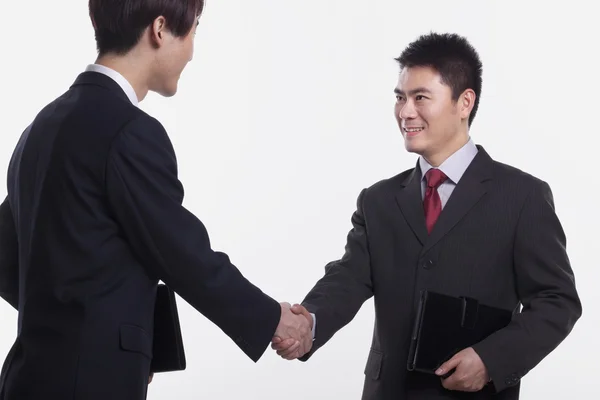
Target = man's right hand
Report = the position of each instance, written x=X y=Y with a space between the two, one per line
x=294 y=332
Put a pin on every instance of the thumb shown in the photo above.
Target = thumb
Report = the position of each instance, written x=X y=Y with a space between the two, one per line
x=300 y=309
x=448 y=365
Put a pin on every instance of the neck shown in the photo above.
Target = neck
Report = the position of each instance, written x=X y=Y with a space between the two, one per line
x=436 y=159
x=133 y=68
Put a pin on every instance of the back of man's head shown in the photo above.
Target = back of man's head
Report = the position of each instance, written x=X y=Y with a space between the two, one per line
x=119 y=24
x=453 y=57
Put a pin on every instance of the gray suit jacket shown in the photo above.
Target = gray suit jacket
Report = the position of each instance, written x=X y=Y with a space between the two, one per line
x=498 y=239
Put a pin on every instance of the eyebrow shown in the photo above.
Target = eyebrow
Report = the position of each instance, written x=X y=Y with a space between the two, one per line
x=414 y=91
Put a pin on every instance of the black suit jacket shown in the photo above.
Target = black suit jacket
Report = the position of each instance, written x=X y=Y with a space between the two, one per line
x=95 y=206
x=498 y=240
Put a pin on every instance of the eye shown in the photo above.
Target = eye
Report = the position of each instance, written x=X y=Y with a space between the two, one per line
x=420 y=97
x=399 y=98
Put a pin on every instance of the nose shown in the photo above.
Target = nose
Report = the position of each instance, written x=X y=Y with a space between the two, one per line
x=407 y=110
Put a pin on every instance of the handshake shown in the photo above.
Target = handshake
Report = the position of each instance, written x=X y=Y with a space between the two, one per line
x=293 y=337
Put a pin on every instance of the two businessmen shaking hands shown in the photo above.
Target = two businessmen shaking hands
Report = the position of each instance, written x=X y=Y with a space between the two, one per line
x=93 y=220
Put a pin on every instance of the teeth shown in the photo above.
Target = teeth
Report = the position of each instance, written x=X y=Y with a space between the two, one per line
x=413 y=129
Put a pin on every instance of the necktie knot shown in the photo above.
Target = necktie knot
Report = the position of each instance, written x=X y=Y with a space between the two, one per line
x=435 y=178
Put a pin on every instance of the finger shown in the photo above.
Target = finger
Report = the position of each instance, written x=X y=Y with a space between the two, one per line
x=293 y=354
x=284 y=344
x=450 y=383
x=459 y=379
x=287 y=352
x=297 y=308
x=290 y=355
x=449 y=365
x=300 y=309
x=276 y=340
x=452 y=380
x=285 y=304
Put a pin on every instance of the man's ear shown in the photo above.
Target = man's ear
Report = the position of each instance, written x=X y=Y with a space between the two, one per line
x=158 y=30
x=466 y=102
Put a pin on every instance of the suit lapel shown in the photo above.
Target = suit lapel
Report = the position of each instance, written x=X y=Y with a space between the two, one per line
x=466 y=194
x=409 y=198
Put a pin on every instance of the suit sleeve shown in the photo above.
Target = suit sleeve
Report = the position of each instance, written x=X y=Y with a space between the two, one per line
x=9 y=256
x=346 y=285
x=546 y=288
x=146 y=198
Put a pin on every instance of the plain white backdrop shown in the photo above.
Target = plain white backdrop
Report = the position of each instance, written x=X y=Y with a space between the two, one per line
x=286 y=113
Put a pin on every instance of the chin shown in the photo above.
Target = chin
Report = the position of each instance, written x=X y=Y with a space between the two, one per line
x=414 y=146
x=166 y=90
x=170 y=92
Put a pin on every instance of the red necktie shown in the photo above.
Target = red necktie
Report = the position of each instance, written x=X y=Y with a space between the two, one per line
x=432 y=203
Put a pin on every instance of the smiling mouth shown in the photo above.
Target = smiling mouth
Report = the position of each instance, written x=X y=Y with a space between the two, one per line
x=412 y=131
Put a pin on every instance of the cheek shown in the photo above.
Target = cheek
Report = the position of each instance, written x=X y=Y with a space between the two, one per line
x=427 y=116
x=181 y=59
x=434 y=115
x=190 y=47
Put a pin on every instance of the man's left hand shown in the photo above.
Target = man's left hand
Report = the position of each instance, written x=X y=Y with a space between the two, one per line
x=470 y=374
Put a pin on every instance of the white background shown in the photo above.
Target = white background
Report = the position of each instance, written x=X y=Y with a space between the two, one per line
x=285 y=114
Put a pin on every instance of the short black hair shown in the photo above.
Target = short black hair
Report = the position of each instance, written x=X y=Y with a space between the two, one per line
x=119 y=24
x=453 y=57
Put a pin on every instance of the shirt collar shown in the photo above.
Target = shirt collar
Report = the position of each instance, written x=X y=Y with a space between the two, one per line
x=117 y=77
x=455 y=166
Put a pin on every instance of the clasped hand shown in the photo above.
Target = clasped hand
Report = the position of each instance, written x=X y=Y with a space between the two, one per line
x=293 y=337
x=469 y=373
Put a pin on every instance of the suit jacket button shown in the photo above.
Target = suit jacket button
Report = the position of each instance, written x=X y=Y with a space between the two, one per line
x=428 y=264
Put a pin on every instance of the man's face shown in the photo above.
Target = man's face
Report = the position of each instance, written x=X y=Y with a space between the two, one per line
x=431 y=123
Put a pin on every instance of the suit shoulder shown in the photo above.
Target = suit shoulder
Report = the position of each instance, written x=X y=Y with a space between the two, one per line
x=143 y=134
x=143 y=123
x=98 y=112
x=389 y=183
x=384 y=186
x=513 y=174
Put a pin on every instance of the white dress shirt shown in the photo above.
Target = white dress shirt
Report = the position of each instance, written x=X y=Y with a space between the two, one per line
x=454 y=167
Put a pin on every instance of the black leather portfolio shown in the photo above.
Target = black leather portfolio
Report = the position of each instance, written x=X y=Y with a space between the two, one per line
x=445 y=325
x=168 y=352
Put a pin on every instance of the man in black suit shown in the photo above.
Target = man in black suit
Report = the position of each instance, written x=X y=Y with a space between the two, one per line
x=94 y=219
x=458 y=223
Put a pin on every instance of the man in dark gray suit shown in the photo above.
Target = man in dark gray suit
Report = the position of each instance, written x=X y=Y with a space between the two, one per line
x=459 y=223
x=94 y=219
